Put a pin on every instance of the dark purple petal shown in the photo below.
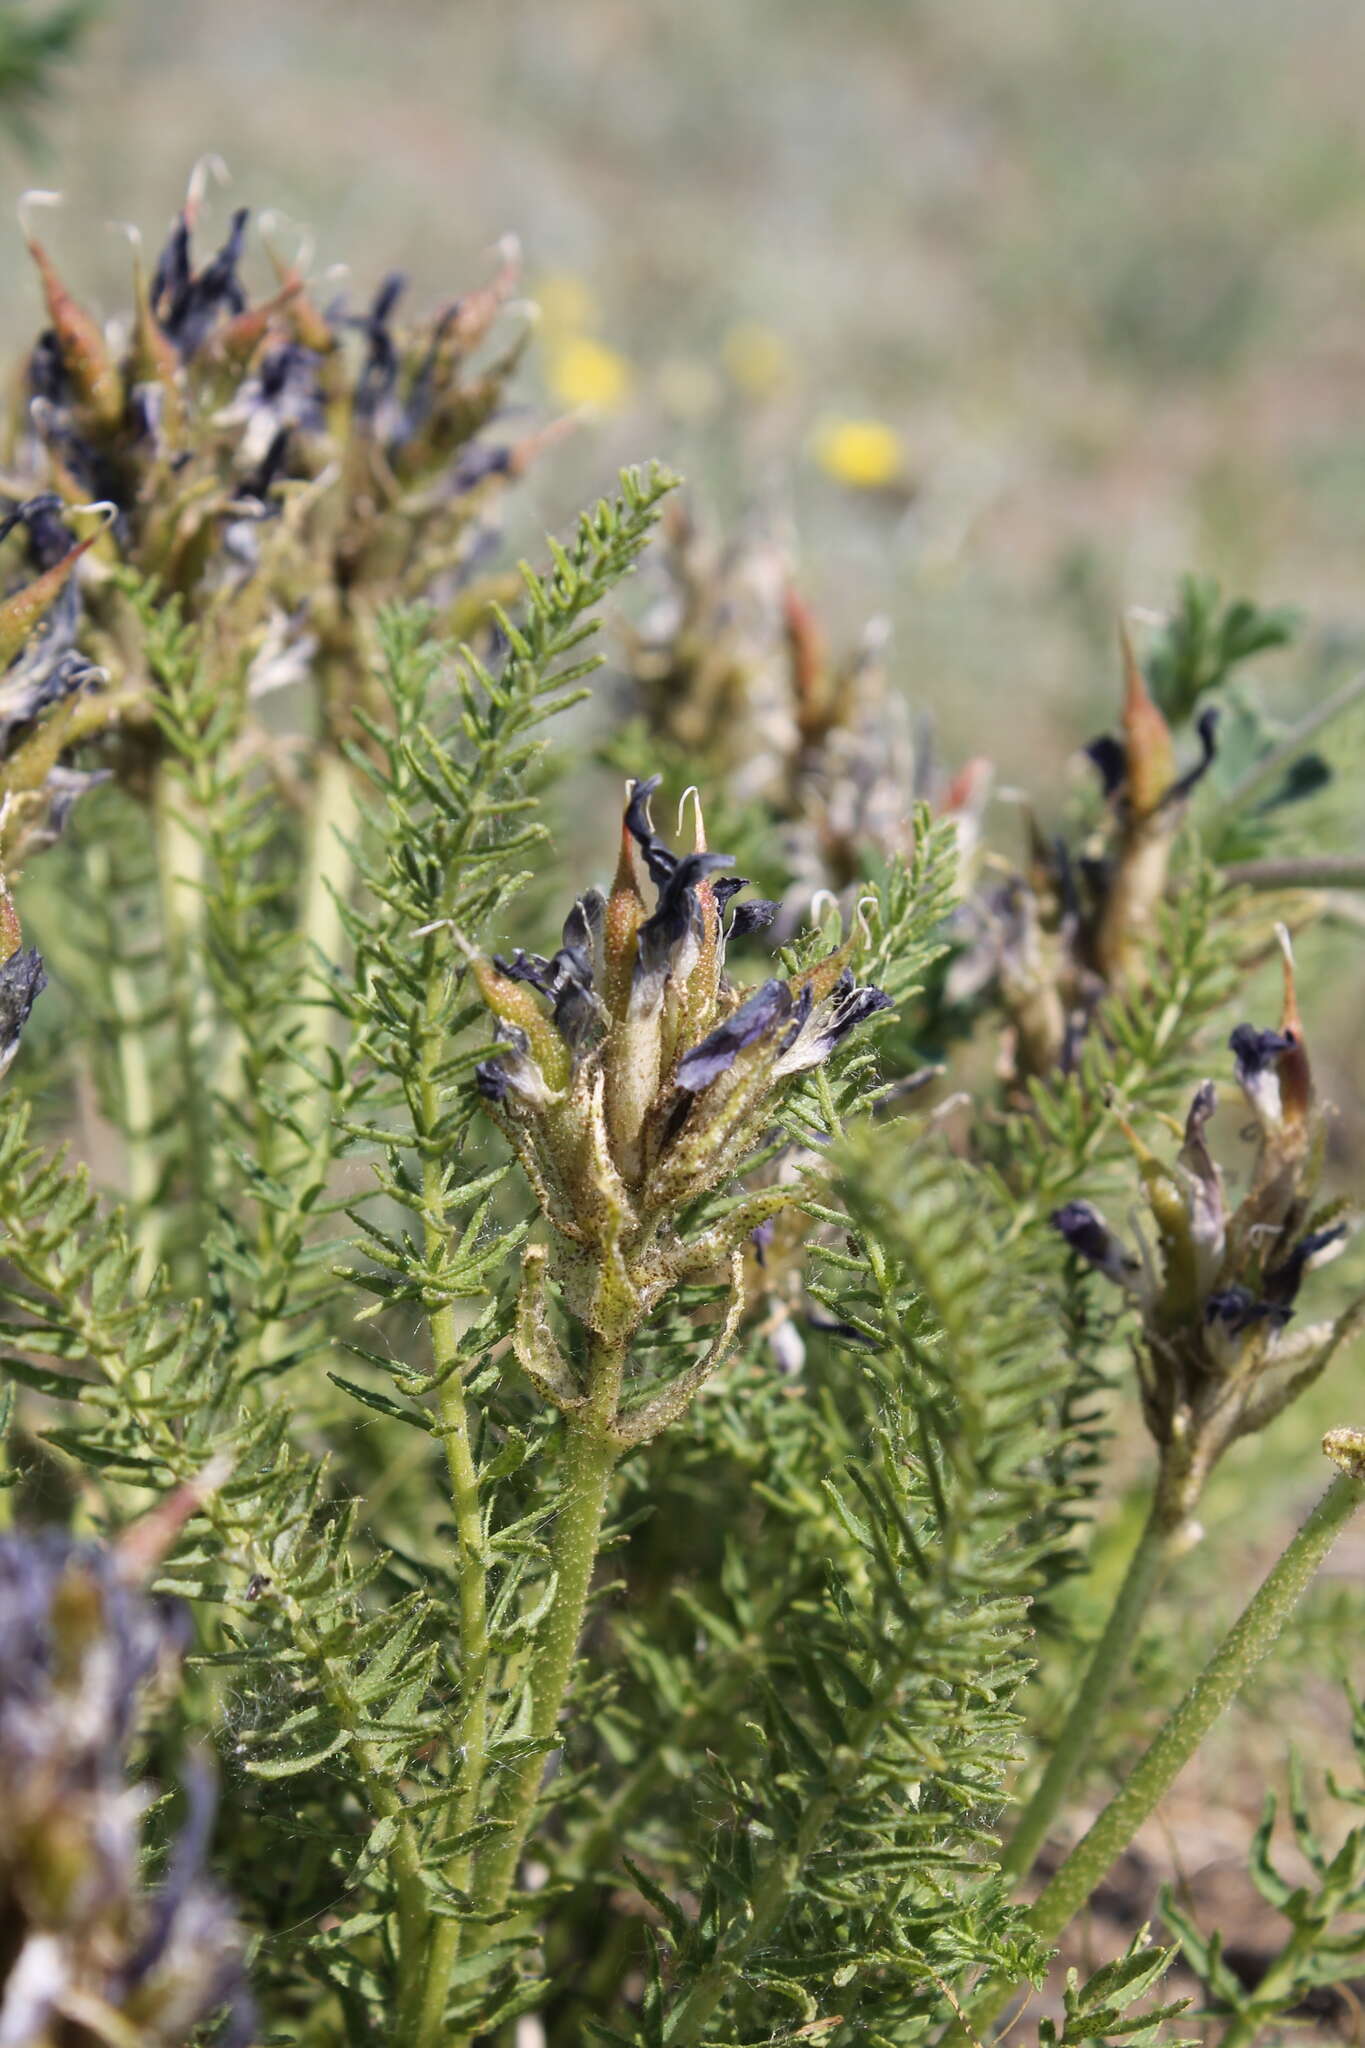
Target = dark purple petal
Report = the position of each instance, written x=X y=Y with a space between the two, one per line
x=256 y=484
x=677 y=911
x=658 y=858
x=1090 y=1237
x=1110 y=756
x=380 y=371
x=1282 y=1282
x=1254 y=1051
x=766 y=1008
x=577 y=1014
x=752 y=917
x=479 y=462
x=530 y=967
x=22 y=980
x=1207 y=729
x=171 y=278
x=854 y=1008
x=583 y=929
x=490 y=1078
x=1237 y=1309
x=49 y=538
x=197 y=301
x=728 y=886
x=1195 y=1152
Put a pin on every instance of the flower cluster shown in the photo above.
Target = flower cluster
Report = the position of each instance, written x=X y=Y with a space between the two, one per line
x=633 y=1078
x=87 y=1953
x=279 y=466
x=1217 y=1359
x=1055 y=937
x=732 y=667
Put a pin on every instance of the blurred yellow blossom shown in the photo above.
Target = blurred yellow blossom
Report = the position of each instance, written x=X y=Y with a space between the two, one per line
x=867 y=455
x=566 y=303
x=757 y=359
x=582 y=371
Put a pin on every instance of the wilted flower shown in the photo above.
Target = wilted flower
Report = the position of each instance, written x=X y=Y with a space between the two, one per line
x=1148 y=793
x=1217 y=1358
x=633 y=1077
x=733 y=669
x=88 y=1953
x=1071 y=924
x=280 y=467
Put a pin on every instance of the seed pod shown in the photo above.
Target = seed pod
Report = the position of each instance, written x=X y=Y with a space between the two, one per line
x=84 y=353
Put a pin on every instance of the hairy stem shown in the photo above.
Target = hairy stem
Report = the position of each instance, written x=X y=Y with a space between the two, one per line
x=470 y=1735
x=328 y=873
x=590 y=1455
x=1112 y=1655
x=180 y=869
x=137 y=1092
x=1242 y=1649
x=1249 y=1640
x=1313 y=871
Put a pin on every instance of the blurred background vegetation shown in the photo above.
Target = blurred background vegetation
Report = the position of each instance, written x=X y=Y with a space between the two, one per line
x=1011 y=314
x=1008 y=314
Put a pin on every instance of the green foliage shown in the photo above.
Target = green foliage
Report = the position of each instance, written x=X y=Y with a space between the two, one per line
x=1205 y=640
x=888 y=1728
x=1098 y=2009
x=710 y=1736
x=33 y=43
x=1325 y=1942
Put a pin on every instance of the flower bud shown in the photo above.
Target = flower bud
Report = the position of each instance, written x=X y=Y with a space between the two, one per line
x=632 y=1076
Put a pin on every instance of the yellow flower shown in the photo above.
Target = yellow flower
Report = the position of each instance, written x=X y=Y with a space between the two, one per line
x=757 y=359
x=566 y=303
x=867 y=455
x=581 y=371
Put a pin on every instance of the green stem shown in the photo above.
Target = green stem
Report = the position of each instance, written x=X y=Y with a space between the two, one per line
x=1242 y=1649
x=1313 y=871
x=590 y=1455
x=1263 y=774
x=1278 y=1988
x=328 y=872
x=302 y=1163
x=470 y=1737
x=1112 y=1655
x=1248 y=1641
x=180 y=878
x=137 y=1096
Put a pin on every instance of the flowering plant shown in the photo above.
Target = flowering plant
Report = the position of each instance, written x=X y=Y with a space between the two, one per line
x=620 y=1428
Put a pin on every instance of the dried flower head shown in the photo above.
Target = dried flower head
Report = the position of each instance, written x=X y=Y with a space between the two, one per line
x=1217 y=1358
x=1056 y=935
x=732 y=667
x=278 y=466
x=634 y=1077
x=88 y=1952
